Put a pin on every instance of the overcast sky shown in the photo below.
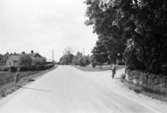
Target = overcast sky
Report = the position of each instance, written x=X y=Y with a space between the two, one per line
x=41 y=25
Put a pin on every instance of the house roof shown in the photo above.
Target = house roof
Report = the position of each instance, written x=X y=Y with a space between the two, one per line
x=17 y=57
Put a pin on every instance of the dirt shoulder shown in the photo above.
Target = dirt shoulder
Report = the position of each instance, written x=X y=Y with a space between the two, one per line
x=8 y=84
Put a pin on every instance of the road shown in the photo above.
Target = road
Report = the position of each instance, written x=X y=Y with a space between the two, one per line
x=69 y=90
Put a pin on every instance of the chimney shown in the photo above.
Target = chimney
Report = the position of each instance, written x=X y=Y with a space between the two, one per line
x=23 y=52
x=32 y=52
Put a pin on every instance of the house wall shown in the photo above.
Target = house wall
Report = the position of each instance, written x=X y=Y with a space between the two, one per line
x=13 y=61
x=36 y=60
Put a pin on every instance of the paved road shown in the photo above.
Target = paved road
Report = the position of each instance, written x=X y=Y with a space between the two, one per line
x=69 y=90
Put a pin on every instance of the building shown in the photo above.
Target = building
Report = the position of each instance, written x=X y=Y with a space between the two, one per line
x=13 y=61
x=18 y=60
x=37 y=59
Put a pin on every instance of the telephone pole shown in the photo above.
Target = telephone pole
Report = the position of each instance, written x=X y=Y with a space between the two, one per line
x=53 y=56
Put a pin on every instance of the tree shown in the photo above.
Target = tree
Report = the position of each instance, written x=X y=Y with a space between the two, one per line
x=105 y=26
x=77 y=58
x=100 y=55
x=26 y=60
x=142 y=21
x=67 y=58
x=81 y=59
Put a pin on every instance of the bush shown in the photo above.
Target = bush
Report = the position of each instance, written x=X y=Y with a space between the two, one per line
x=13 y=69
x=37 y=67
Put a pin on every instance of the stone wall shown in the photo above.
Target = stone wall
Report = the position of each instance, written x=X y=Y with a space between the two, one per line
x=153 y=82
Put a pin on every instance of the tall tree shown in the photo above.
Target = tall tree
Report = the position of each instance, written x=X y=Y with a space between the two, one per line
x=100 y=55
x=142 y=21
x=104 y=21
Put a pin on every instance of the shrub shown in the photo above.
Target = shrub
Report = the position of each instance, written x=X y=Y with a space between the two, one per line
x=13 y=69
x=37 y=67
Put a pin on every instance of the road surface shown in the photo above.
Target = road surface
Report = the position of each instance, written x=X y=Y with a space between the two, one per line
x=69 y=90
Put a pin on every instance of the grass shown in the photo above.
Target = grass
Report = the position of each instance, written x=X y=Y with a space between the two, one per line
x=97 y=68
x=145 y=91
x=8 y=84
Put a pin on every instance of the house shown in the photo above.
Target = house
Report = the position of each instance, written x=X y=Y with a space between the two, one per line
x=37 y=58
x=13 y=61
x=18 y=60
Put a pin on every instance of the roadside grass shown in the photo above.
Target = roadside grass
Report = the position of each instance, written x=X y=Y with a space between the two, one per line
x=8 y=84
x=145 y=91
x=97 y=68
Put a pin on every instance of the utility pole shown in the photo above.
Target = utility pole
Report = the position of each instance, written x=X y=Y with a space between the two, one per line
x=53 y=56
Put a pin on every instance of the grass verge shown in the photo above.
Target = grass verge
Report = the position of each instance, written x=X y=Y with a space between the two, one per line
x=97 y=68
x=8 y=84
x=145 y=91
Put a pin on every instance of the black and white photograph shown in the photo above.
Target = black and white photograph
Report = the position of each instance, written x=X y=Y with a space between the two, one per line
x=83 y=56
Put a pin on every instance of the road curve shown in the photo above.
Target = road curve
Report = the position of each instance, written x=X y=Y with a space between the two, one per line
x=69 y=90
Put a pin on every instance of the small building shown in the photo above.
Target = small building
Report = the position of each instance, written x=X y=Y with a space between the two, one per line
x=37 y=59
x=13 y=61
x=16 y=60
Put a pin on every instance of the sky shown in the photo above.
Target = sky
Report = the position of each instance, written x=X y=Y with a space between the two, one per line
x=43 y=26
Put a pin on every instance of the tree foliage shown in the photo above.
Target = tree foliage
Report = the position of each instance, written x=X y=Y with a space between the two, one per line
x=26 y=60
x=105 y=26
x=100 y=55
x=70 y=59
x=143 y=22
x=67 y=58
x=80 y=59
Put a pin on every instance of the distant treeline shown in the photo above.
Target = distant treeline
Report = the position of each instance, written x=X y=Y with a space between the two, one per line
x=79 y=59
